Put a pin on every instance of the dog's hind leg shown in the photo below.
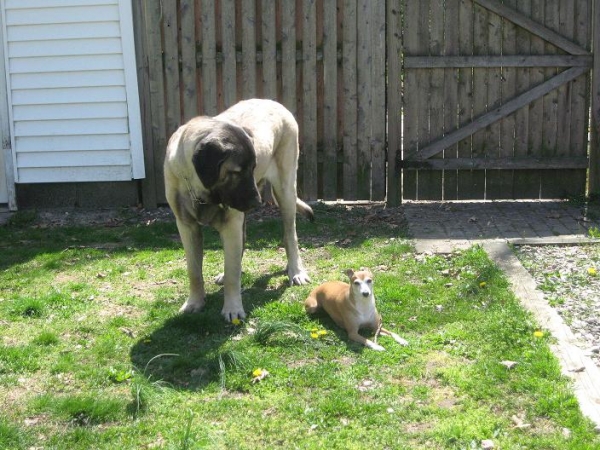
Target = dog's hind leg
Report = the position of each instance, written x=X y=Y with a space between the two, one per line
x=311 y=305
x=394 y=336
x=284 y=190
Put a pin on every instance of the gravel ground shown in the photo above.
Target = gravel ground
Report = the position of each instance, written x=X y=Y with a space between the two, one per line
x=569 y=277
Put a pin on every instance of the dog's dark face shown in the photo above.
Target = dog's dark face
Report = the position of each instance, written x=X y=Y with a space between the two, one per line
x=224 y=161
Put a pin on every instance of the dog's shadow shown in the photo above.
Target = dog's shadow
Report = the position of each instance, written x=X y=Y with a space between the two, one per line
x=186 y=351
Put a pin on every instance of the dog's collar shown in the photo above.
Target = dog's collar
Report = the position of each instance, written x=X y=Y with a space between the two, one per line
x=195 y=200
x=200 y=201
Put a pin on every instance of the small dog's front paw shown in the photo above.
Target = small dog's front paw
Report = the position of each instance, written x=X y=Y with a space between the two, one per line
x=299 y=278
x=191 y=306
x=372 y=345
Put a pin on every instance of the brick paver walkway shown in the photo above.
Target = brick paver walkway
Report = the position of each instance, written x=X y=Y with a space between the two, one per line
x=440 y=226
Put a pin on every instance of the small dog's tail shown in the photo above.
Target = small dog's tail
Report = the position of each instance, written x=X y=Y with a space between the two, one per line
x=305 y=210
x=311 y=305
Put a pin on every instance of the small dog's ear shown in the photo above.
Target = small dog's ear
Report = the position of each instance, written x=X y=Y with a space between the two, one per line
x=350 y=273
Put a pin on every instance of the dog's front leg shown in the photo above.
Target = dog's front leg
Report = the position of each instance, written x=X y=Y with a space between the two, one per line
x=192 y=240
x=232 y=236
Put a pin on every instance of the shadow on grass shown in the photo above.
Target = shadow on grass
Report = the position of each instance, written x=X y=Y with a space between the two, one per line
x=338 y=225
x=187 y=350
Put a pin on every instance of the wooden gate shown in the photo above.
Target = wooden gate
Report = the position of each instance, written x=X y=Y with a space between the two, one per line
x=495 y=98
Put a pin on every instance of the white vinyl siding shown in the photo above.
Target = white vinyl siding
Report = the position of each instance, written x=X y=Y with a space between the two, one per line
x=72 y=88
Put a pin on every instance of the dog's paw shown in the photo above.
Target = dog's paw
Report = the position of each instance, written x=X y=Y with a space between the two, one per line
x=230 y=314
x=190 y=307
x=374 y=346
x=220 y=279
x=399 y=340
x=299 y=278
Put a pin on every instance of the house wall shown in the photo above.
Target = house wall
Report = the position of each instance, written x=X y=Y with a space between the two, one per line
x=73 y=97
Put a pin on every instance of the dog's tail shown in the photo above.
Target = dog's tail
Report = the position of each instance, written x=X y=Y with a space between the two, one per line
x=305 y=210
x=311 y=305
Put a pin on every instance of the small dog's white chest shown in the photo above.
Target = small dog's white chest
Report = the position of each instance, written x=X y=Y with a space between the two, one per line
x=365 y=310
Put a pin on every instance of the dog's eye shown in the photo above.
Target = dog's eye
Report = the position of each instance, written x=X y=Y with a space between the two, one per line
x=368 y=281
x=356 y=283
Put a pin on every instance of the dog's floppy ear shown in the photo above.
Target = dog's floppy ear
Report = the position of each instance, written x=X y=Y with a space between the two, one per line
x=207 y=161
x=350 y=273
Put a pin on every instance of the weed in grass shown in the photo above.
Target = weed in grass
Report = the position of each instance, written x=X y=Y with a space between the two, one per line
x=27 y=307
x=46 y=338
x=81 y=410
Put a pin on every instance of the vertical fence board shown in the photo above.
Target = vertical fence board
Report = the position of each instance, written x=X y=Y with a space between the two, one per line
x=349 y=136
x=189 y=74
x=594 y=180
x=480 y=82
x=363 y=65
x=288 y=55
x=249 y=48
x=209 y=59
x=171 y=57
x=149 y=183
x=330 y=109
x=580 y=97
x=422 y=86
x=157 y=86
x=536 y=108
x=229 y=68
x=550 y=187
x=465 y=93
x=451 y=41
x=498 y=182
x=309 y=100
x=269 y=51
x=430 y=181
x=411 y=99
x=526 y=182
x=394 y=75
x=378 y=114
x=509 y=91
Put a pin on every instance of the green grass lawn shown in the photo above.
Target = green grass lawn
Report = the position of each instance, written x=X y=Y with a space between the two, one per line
x=93 y=352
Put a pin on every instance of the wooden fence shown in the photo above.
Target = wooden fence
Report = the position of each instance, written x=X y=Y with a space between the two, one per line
x=473 y=99
x=323 y=59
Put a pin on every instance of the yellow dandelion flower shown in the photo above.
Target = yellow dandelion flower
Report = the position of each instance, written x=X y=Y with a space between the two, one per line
x=482 y=284
x=322 y=333
x=236 y=321
x=538 y=334
x=592 y=271
x=314 y=335
x=257 y=373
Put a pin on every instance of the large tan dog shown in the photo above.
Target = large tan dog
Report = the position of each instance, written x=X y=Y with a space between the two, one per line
x=351 y=306
x=212 y=168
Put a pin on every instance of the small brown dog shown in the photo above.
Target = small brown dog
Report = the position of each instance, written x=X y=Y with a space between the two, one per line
x=351 y=306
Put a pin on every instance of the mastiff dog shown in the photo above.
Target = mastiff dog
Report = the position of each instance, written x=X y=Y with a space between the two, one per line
x=213 y=169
